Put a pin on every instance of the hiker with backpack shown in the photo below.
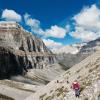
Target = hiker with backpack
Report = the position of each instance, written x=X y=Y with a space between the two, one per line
x=76 y=87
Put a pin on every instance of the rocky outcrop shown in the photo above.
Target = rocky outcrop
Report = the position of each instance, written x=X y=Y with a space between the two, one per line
x=21 y=50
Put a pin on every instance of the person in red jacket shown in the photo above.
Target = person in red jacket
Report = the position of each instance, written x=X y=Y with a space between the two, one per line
x=76 y=88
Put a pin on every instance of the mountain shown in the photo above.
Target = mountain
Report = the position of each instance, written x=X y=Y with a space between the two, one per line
x=30 y=71
x=85 y=49
x=22 y=53
x=91 y=47
x=87 y=72
x=72 y=49
x=72 y=56
x=68 y=60
x=67 y=49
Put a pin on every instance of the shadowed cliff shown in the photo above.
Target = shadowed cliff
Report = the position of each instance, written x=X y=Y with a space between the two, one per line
x=20 y=50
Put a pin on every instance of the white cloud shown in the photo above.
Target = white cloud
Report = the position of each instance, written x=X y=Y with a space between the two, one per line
x=87 y=24
x=11 y=15
x=89 y=17
x=31 y=22
x=52 y=44
x=85 y=34
x=54 y=31
x=58 y=47
x=67 y=27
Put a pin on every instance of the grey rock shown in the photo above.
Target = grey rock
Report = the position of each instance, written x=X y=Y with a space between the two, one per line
x=20 y=50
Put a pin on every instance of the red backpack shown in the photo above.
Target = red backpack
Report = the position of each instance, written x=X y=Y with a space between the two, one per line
x=75 y=85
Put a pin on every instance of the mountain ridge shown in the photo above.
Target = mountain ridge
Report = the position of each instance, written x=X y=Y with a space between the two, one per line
x=68 y=59
x=21 y=51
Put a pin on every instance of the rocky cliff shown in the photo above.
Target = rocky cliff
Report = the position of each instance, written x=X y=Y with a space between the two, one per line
x=20 y=50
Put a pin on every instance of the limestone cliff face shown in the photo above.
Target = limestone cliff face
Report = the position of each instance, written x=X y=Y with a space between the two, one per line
x=21 y=50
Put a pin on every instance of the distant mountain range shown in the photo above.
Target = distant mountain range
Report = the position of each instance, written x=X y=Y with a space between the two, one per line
x=90 y=47
x=72 y=49
x=68 y=59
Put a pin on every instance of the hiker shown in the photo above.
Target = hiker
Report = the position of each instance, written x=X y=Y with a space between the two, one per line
x=76 y=87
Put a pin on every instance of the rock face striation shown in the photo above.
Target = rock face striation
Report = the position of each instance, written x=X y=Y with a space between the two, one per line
x=21 y=50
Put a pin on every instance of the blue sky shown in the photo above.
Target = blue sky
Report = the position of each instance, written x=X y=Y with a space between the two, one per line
x=49 y=12
x=56 y=21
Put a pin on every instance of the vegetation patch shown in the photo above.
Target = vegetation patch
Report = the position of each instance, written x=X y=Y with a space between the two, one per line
x=61 y=91
x=86 y=98
x=92 y=69
x=82 y=88
x=79 y=77
x=78 y=71
x=42 y=96
x=84 y=84
x=49 y=98
x=88 y=65
x=51 y=91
